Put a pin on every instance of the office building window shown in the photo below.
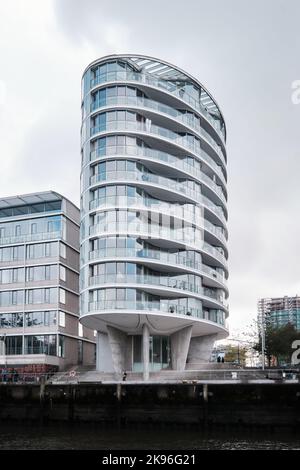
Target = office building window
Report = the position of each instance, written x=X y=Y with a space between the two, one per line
x=41 y=296
x=33 y=228
x=13 y=345
x=62 y=319
x=8 y=298
x=42 y=250
x=41 y=318
x=62 y=250
x=62 y=273
x=40 y=344
x=11 y=320
x=61 y=346
x=62 y=296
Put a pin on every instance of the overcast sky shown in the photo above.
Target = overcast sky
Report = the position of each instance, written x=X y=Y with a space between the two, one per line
x=246 y=52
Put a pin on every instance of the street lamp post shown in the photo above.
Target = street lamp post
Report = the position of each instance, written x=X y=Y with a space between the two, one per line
x=263 y=341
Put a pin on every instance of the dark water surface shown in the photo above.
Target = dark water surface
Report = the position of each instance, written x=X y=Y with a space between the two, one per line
x=90 y=437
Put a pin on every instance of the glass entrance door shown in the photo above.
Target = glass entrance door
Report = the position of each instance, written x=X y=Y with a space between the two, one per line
x=159 y=353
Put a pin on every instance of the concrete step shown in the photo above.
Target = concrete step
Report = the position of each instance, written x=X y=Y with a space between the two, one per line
x=211 y=366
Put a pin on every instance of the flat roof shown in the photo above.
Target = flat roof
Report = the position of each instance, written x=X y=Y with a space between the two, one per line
x=32 y=198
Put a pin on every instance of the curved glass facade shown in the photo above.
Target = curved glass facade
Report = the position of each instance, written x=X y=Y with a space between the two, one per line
x=153 y=204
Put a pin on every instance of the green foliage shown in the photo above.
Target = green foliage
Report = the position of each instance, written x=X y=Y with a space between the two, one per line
x=278 y=342
x=236 y=354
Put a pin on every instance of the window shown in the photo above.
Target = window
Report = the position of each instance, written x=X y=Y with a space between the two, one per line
x=80 y=330
x=33 y=228
x=41 y=250
x=41 y=296
x=30 y=274
x=62 y=319
x=2 y=232
x=15 y=275
x=62 y=273
x=47 y=296
x=61 y=346
x=41 y=344
x=13 y=345
x=17 y=230
x=121 y=294
x=40 y=318
x=48 y=247
x=80 y=351
x=11 y=320
x=62 y=250
x=16 y=252
x=111 y=268
x=48 y=273
x=62 y=296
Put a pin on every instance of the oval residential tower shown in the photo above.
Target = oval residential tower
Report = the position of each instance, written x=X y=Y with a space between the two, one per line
x=153 y=215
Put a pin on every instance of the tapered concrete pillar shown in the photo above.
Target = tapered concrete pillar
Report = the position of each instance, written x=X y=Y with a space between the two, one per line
x=200 y=350
x=180 y=342
x=117 y=341
x=103 y=353
x=146 y=344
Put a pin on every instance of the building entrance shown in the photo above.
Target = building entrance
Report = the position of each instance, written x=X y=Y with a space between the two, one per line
x=159 y=353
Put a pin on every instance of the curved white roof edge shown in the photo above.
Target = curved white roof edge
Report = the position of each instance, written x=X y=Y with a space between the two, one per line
x=163 y=62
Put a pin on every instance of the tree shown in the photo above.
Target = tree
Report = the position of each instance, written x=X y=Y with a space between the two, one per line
x=235 y=354
x=278 y=342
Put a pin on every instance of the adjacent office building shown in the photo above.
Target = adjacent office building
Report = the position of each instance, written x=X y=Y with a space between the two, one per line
x=279 y=311
x=153 y=215
x=39 y=285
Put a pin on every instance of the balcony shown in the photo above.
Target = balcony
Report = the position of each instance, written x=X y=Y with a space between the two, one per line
x=170 y=210
x=182 y=236
x=162 y=307
x=157 y=281
x=145 y=103
x=164 y=85
x=163 y=257
x=151 y=129
x=161 y=181
x=164 y=157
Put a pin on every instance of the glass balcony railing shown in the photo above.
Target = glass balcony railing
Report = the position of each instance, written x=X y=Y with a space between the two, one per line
x=30 y=237
x=147 y=178
x=160 y=180
x=157 y=281
x=134 y=150
x=140 y=102
x=217 y=316
x=186 y=236
x=149 y=128
x=173 y=210
x=207 y=204
x=163 y=257
x=162 y=84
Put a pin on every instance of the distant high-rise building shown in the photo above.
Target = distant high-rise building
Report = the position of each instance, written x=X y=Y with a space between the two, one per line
x=39 y=284
x=153 y=215
x=280 y=311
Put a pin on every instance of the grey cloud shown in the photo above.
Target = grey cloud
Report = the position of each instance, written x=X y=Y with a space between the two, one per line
x=246 y=53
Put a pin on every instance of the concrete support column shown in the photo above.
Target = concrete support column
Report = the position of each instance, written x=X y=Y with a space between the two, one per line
x=117 y=341
x=200 y=350
x=180 y=342
x=146 y=345
x=103 y=353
